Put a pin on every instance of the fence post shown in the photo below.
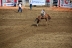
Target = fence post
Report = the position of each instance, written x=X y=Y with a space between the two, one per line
x=51 y=3
x=23 y=2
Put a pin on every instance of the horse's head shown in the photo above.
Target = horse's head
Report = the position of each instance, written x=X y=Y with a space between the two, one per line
x=47 y=15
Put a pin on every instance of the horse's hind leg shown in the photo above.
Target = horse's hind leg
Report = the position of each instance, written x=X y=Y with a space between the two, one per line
x=38 y=22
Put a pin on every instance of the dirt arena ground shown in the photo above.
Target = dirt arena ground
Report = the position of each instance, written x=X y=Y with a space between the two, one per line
x=18 y=30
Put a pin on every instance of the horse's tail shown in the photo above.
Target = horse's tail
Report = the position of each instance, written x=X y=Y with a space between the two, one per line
x=36 y=19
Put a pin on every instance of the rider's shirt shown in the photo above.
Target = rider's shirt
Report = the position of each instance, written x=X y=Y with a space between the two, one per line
x=30 y=1
x=43 y=12
x=19 y=5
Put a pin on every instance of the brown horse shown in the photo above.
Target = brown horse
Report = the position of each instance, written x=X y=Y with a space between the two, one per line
x=46 y=17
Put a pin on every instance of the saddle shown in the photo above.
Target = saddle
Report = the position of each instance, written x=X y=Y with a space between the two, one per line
x=43 y=17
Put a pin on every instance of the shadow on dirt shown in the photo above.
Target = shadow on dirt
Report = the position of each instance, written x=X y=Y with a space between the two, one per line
x=38 y=25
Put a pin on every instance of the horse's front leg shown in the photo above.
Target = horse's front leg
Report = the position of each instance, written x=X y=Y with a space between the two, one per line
x=46 y=20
